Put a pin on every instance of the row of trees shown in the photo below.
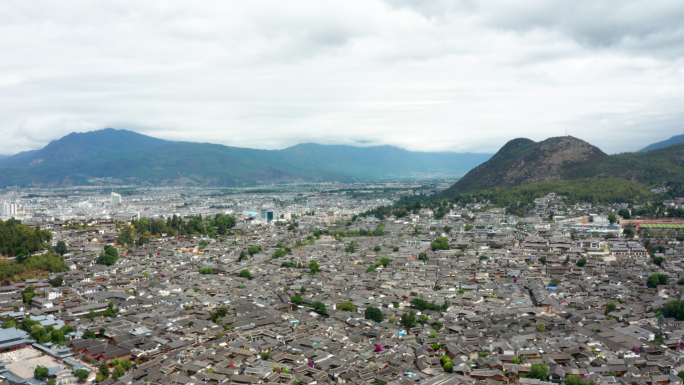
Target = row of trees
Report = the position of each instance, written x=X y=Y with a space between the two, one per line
x=140 y=231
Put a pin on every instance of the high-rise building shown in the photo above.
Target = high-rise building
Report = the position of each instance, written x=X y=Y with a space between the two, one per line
x=116 y=199
x=268 y=215
x=8 y=209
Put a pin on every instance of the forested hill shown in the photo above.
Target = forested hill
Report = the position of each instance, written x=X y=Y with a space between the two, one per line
x=129 y=157
x=524 y=162
x=17 y=239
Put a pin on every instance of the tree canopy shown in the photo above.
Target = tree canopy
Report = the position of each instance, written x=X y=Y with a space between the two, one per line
x=373 y=314
x=656 y=279
x=442 y=243
x=539 y=371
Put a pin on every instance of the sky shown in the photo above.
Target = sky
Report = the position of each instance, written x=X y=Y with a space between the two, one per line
x=464 y=76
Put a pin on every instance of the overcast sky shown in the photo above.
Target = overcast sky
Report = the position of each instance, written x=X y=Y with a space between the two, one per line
x=423 y=75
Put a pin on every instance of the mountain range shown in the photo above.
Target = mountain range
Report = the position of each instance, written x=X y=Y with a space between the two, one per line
x=677 y=139
x=133 y=158
x=524 y=162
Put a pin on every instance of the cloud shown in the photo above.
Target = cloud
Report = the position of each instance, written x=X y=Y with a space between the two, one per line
x=430 y=76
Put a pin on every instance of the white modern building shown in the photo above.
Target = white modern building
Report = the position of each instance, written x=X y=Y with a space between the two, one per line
x=8 y=209
x=116 y=199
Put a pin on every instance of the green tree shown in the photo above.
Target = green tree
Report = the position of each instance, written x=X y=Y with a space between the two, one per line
x=81 y=374
x=384 y=261
x=346 y=306
x=377 y=248
x=656 y=279
x=628 y=233
x=581 y=262
x=58 y=281
x=314 y=267
x=245 y=274
x=555 y=282
x=254 y=250
x=573 y=379
x=302 y=289
x=109 y=257
x=206 y=270
x=319 y=307
x=409 y=319
x=539 y=371
x=243 y=255
x=373 y=314
x=119 y=371
x=61 y=248
x=370 y=269
x=279 y=253
x=680 y=281
x=612 y=218
x=423 y=257
x=542 y=260
x=104 y=370
x=127 y=364
x=442 y=243
x=296 y=299
x=541 y=327
x=658 y=260
x=351 y=248
x=88 y=334
x=41 y=373
x=611 y=307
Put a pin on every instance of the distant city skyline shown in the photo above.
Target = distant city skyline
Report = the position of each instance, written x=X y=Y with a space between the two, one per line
x=462 y=76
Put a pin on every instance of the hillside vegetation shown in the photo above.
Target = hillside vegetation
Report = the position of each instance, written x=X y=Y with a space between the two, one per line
x=18 y=242
x=518 y=199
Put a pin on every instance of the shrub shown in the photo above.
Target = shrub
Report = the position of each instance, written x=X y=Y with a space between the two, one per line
x=346 y=306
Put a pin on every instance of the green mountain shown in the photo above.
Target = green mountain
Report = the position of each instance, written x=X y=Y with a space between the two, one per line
x=665 y=143
x=524 y=162
x=75 y=146
x=78 y=158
